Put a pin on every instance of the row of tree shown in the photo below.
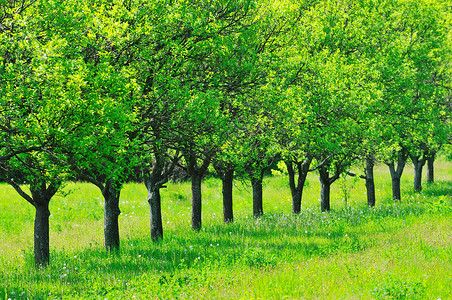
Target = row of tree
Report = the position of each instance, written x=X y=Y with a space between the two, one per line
x=97 y=89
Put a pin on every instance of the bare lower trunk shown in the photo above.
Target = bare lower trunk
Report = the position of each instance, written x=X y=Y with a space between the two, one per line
x=370 y=184
x=418 y=163
x=196 y=172
x=258 y=210
x=153 y=182
x=395 y=180
x=430 y=169
x=396 y=195
x=396 y=173
x=325 y=187
x=297 y=189
x=41 y=196
x=41 y=233
x=196 y=202
x=155 y=208
x=227 y=180
x=111 y=194
x=417 y=177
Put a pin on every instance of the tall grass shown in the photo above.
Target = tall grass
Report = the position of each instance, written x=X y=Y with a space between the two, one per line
x=393 y=251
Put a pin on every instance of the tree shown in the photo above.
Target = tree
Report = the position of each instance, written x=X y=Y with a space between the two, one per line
x=408 y=73
x=218 y=68
x=37 y=113
x=325 y=88
x=102 y=152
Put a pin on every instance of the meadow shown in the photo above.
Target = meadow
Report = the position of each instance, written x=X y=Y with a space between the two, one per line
x=395 y=250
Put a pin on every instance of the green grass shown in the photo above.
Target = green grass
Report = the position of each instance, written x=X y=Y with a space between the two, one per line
x=393 y=251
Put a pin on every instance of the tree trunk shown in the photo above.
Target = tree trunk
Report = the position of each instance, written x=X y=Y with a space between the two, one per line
x=418 y=165
x=227 y=180
x=40 y=198
x=370 y=184
x=430 y=169
x=196 y=173
x=294 y=190
x=396 y=174
x=297 y=190
x=396 y=194
x=111 y=194
x=155 y=208
x=395 y=179
x=325 y=188
x=258 y=210
x=196 y=202
x=153 y=182
x=41 y=232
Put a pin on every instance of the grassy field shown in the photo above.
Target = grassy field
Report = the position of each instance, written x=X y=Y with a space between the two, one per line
x=393 y=251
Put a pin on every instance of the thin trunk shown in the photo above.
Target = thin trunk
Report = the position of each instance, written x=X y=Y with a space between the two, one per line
x=370 y=184
x=294 y=190
x=196 y=203
x=396 y=174
x=325 y=188
x=41 y=232
x=430 y=169
x=196 y=173
x=41 y=196
x=418 y=165
x=227 y=180
x=396 y=194
x=155 y=208
x=395 y=179
x=153 y=182
x=297 y=190
x=258 y=210
x=111 y=194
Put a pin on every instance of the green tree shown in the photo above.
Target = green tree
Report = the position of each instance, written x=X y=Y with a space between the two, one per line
x=325 y=88
x=40 y=106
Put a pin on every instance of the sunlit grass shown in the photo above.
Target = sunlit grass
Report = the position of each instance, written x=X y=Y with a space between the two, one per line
x=396 y=250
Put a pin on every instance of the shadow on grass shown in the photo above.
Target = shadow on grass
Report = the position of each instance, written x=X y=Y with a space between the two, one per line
x=273 y=239
x=439 y=188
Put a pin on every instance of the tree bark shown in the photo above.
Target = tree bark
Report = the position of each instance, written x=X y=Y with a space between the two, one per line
x=418 y=163
x=396 y=194
x=227 y=180
x=430 y=169
x=153 y=182
x=41 y=232
x=297 y=189
x=196 y=203
x=325 y=188
x=111 y=193
x=41 y=196
x=155 y=208
x=396 y=174
x=258 y=210
x=196 y=173
x=370 y=184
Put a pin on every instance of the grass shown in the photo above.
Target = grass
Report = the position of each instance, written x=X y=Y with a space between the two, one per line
x=393 y=251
